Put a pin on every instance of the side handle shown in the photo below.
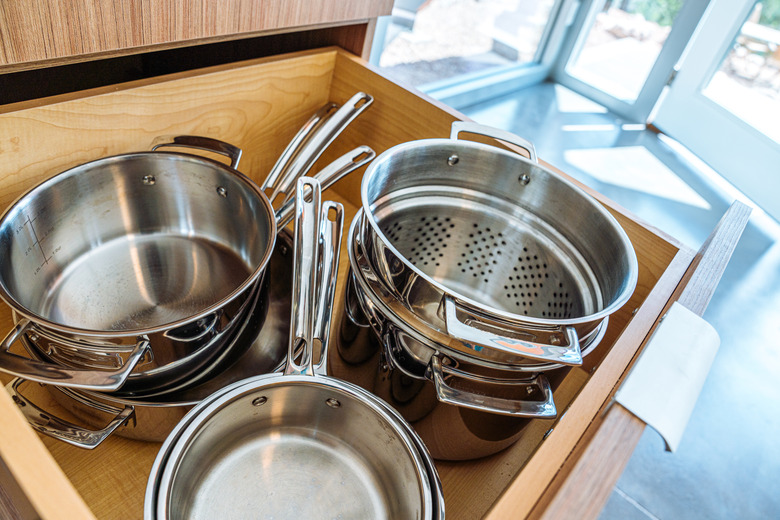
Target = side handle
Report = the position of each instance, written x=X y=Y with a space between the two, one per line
x=495 y=133
x=49 y=373
x=208 y=144
x=65 y=431
x=543 y=408
x=563 y=344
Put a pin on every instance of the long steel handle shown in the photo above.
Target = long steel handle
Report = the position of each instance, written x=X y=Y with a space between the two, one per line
x=49 y=373
x=66 y=431
x=332 y=223
x=327 y=177
x=562 y=345
x=495 y=133
x=208 y=144
x=282 y=178
x=285 y=160
x=305 y=263
x=544 y=408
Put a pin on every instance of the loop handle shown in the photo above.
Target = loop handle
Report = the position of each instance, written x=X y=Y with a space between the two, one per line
x=66 y=431
x=446 y=393
x=53 y=374
x=562 y=346
x=495 y=133
x=208 y=144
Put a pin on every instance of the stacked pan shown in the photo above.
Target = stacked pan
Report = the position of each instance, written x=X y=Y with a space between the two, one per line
x=298 y=443
x=477 y=276
x=139 y=277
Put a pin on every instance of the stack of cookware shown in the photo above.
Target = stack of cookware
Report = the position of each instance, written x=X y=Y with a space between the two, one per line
x=138 y=280
x=476 y=273
x=317 y=446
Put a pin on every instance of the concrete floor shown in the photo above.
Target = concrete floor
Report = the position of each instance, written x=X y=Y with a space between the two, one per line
x=728 y=464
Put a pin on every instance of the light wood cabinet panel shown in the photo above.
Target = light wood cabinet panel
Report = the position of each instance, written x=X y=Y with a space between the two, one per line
x=35 y=33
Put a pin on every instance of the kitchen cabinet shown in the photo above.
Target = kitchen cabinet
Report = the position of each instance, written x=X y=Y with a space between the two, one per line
x=258 y=105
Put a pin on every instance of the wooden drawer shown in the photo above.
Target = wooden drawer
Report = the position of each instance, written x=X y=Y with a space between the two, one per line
x=258 y=106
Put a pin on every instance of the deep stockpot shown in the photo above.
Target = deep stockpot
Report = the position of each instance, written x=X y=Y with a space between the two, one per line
x=492 y=248
x=131 y=273
x=462 y=407
x=156 y=254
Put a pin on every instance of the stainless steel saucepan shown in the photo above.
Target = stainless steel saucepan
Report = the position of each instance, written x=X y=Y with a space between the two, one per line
x=298 y=444
x=134 y=271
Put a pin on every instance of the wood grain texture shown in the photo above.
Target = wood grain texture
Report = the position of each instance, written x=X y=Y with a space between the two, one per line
x=39 y=31
x=34 y=468
x=585 y=483
x=259 y=105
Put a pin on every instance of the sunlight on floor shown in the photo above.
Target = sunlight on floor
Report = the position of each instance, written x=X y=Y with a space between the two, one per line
x=636 y=168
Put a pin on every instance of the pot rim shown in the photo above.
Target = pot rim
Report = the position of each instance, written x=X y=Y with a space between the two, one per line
x=171 y=453
x=366 y=212
x=42 y=321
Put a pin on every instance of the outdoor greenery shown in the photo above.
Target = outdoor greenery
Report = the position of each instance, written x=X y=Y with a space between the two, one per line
x=770 y=13
x=663 y=12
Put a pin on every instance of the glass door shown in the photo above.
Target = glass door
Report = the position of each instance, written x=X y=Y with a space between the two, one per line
x=621 y=53
x=724 y=104
x=464 y=51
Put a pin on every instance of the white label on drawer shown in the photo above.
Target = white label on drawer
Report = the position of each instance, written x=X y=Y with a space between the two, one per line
x=665 y=382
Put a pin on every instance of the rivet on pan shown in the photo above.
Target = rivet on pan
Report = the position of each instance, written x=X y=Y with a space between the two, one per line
x=259 y=401
x=452 y=160
x=529 y=390
x=555 y=340
x=525 y=179
x=221 y=191
x=333 y=403
x=149 y=180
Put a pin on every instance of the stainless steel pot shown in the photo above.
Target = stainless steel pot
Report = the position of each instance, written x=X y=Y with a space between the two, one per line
x=261 y=343
x=135 y=271
x=317 y=437
x=463 y=405
x=492 y=248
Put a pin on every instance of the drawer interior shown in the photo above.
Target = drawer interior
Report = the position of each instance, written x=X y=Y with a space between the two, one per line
x=259 y=106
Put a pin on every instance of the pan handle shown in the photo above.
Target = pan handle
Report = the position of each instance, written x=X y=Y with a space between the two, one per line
x=208 y=144
x=495 y=133
x=63 y=430
x=305 y=262
x=310 y=142
x=49 y=373
x=562 y=346
x=332 y=226
x=327 y=177
x=544 y=408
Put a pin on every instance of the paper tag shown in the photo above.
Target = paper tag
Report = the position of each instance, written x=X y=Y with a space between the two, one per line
x=665 y=382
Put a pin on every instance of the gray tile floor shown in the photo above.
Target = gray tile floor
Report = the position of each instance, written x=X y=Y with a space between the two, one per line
x=728 y=464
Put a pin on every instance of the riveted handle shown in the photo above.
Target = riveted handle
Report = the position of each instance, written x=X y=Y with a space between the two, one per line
x=66 y=431
x=484 y=402
x=475 y=128
x=208 y=144
x=562 y=345
x=50 y=373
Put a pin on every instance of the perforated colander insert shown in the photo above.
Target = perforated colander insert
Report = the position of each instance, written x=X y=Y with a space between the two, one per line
x=508 y=261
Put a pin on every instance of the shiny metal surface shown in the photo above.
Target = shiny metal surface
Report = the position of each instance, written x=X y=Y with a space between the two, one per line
x=163 y=247
x=423 y=337
x=291 y=445
x=259 y=348
x=524 y=254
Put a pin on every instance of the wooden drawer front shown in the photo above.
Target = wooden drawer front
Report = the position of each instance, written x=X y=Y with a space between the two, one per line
x=259 y=106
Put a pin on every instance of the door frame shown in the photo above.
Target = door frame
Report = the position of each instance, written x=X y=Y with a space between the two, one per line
x=743 y=155
x=637 y=111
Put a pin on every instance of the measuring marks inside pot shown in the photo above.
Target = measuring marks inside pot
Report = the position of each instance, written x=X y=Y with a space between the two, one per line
x=495 y=255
